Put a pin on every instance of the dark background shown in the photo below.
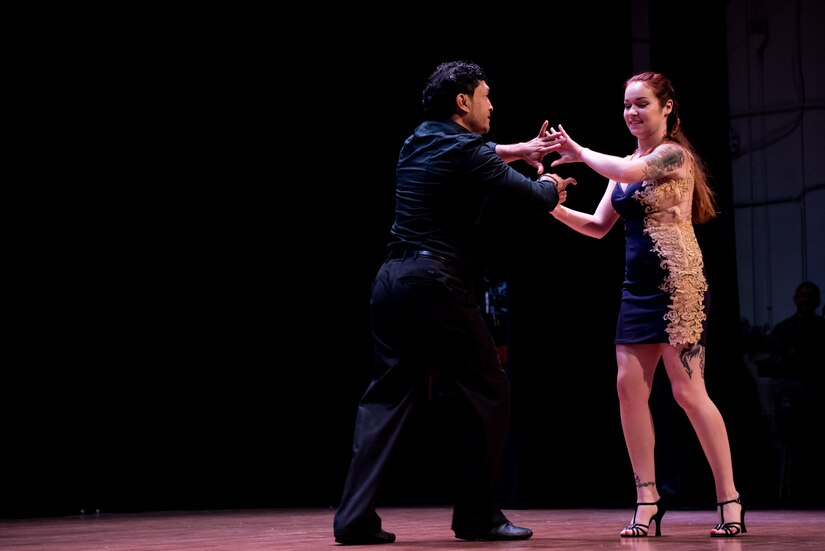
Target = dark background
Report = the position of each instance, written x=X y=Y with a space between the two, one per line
x=199 y=336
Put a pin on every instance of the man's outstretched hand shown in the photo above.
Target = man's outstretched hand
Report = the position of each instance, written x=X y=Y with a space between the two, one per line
x=539 y=147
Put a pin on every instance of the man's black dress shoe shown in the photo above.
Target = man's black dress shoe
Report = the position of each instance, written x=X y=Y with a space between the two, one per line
x=506 y=531
x=381 y=536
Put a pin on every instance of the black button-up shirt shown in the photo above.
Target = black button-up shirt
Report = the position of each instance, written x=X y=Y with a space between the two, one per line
x=445 y=174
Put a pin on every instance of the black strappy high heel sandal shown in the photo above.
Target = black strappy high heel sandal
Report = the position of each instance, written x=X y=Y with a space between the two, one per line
x=731 y=529
x=639 y=530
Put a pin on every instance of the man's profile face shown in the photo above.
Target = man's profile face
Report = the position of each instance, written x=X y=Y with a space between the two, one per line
x=480 y=108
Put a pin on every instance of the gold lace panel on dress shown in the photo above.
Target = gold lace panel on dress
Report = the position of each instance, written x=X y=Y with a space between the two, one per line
x=667 y=221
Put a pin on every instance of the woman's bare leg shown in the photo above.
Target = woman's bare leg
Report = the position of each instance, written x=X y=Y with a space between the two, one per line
x=686 y=371
x=637 y=365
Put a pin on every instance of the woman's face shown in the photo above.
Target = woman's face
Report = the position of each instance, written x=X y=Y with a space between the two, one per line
x=643 y=114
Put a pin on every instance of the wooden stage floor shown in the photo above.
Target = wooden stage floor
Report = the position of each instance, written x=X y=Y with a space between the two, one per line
x=416 y=528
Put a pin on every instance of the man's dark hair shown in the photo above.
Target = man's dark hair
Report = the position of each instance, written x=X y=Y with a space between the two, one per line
x=447 y=81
